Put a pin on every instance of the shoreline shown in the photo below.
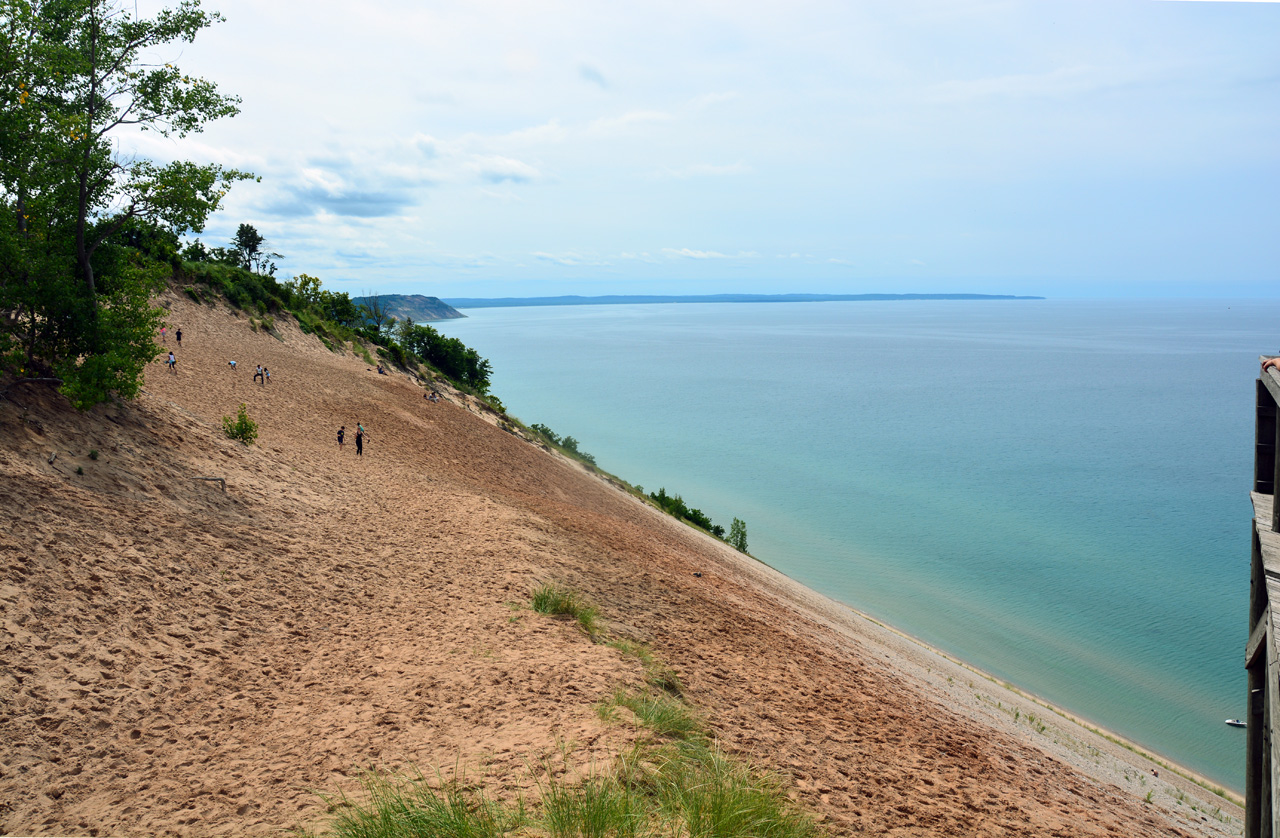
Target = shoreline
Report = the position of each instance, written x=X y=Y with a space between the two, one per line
x=1134 y=747
x=853 y=625
x=1147 y=756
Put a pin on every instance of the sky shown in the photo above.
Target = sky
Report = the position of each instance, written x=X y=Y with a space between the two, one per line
x=1065 y=148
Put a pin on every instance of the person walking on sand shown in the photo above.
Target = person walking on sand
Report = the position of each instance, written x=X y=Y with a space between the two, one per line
x=266 y=376
x=342 y=436
x=162 y=335
x=177 y=333
x=359 y=440
x=257 y=373
x=173 y=363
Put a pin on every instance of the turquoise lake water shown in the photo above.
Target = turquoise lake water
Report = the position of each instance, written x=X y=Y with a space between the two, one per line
x=1053 y=491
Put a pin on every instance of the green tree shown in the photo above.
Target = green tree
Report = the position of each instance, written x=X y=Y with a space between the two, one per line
x=449 y=355
x=738 y=535
x=376 y=313
x=74 y=75
x=306 y=289
x=249 y=250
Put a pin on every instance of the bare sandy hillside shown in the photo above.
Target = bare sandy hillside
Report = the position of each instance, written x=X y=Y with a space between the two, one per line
x=180 y=660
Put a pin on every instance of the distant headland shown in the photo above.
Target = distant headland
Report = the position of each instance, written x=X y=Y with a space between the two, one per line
x=411 y=307
x=634 y=299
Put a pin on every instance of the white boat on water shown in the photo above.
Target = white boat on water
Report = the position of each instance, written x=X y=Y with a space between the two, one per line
x=1236 y=723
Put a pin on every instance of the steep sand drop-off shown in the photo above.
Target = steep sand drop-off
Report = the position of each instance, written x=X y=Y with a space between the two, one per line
x=179 y=660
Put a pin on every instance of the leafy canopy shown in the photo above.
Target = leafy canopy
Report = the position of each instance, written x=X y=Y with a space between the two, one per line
x=74 y=76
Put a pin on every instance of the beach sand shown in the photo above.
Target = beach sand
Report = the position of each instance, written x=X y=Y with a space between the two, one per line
x=180 y=660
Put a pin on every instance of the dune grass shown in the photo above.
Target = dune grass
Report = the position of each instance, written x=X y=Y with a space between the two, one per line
x=598 y=807
x=677 y=788
x=551 y=598
x=673 y=782
x=662 y=714
x=400 y=808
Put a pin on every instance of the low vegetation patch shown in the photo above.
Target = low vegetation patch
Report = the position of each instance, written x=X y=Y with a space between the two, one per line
x=675 y=506
x=412 y=808
x=558 y=600
x=242 y=427
x=664 y=715
x=567 y=444
x=673 y=782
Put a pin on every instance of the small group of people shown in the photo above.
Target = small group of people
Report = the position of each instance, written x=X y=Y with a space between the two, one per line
x=432 y=397
x=260 y=373
x=361 y=436
x=171 y=362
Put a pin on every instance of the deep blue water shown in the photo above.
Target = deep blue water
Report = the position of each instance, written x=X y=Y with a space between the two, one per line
x=1054 y=491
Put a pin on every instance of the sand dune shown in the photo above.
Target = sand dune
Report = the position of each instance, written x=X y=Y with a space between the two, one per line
x=179 y=660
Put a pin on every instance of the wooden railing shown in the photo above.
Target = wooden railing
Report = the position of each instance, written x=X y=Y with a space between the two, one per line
x=1262 y=650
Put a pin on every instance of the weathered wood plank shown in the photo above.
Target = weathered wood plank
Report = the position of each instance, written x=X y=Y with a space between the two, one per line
x=1257 y=637
x=1270 y=544
x=1273 y=718
x=1268 y=541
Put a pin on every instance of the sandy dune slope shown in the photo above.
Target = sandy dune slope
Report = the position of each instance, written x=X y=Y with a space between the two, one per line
x=179 y=660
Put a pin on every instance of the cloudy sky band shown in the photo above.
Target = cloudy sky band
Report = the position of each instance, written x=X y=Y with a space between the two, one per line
x=495 y=147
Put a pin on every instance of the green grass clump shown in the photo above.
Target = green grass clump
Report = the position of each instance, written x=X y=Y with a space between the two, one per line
x=413 y=809
x=713 y=795
x=673 y=782
x=662 y=714
x=558 y=600
x=685 y=789
x=598 y=807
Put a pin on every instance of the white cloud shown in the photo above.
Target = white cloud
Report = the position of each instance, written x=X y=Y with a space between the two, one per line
x=688 y=253
x=569 y=259
x=620 y=124
x=496 y=169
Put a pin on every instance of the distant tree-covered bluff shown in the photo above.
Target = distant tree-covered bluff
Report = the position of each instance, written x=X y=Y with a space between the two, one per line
x=413 y=307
